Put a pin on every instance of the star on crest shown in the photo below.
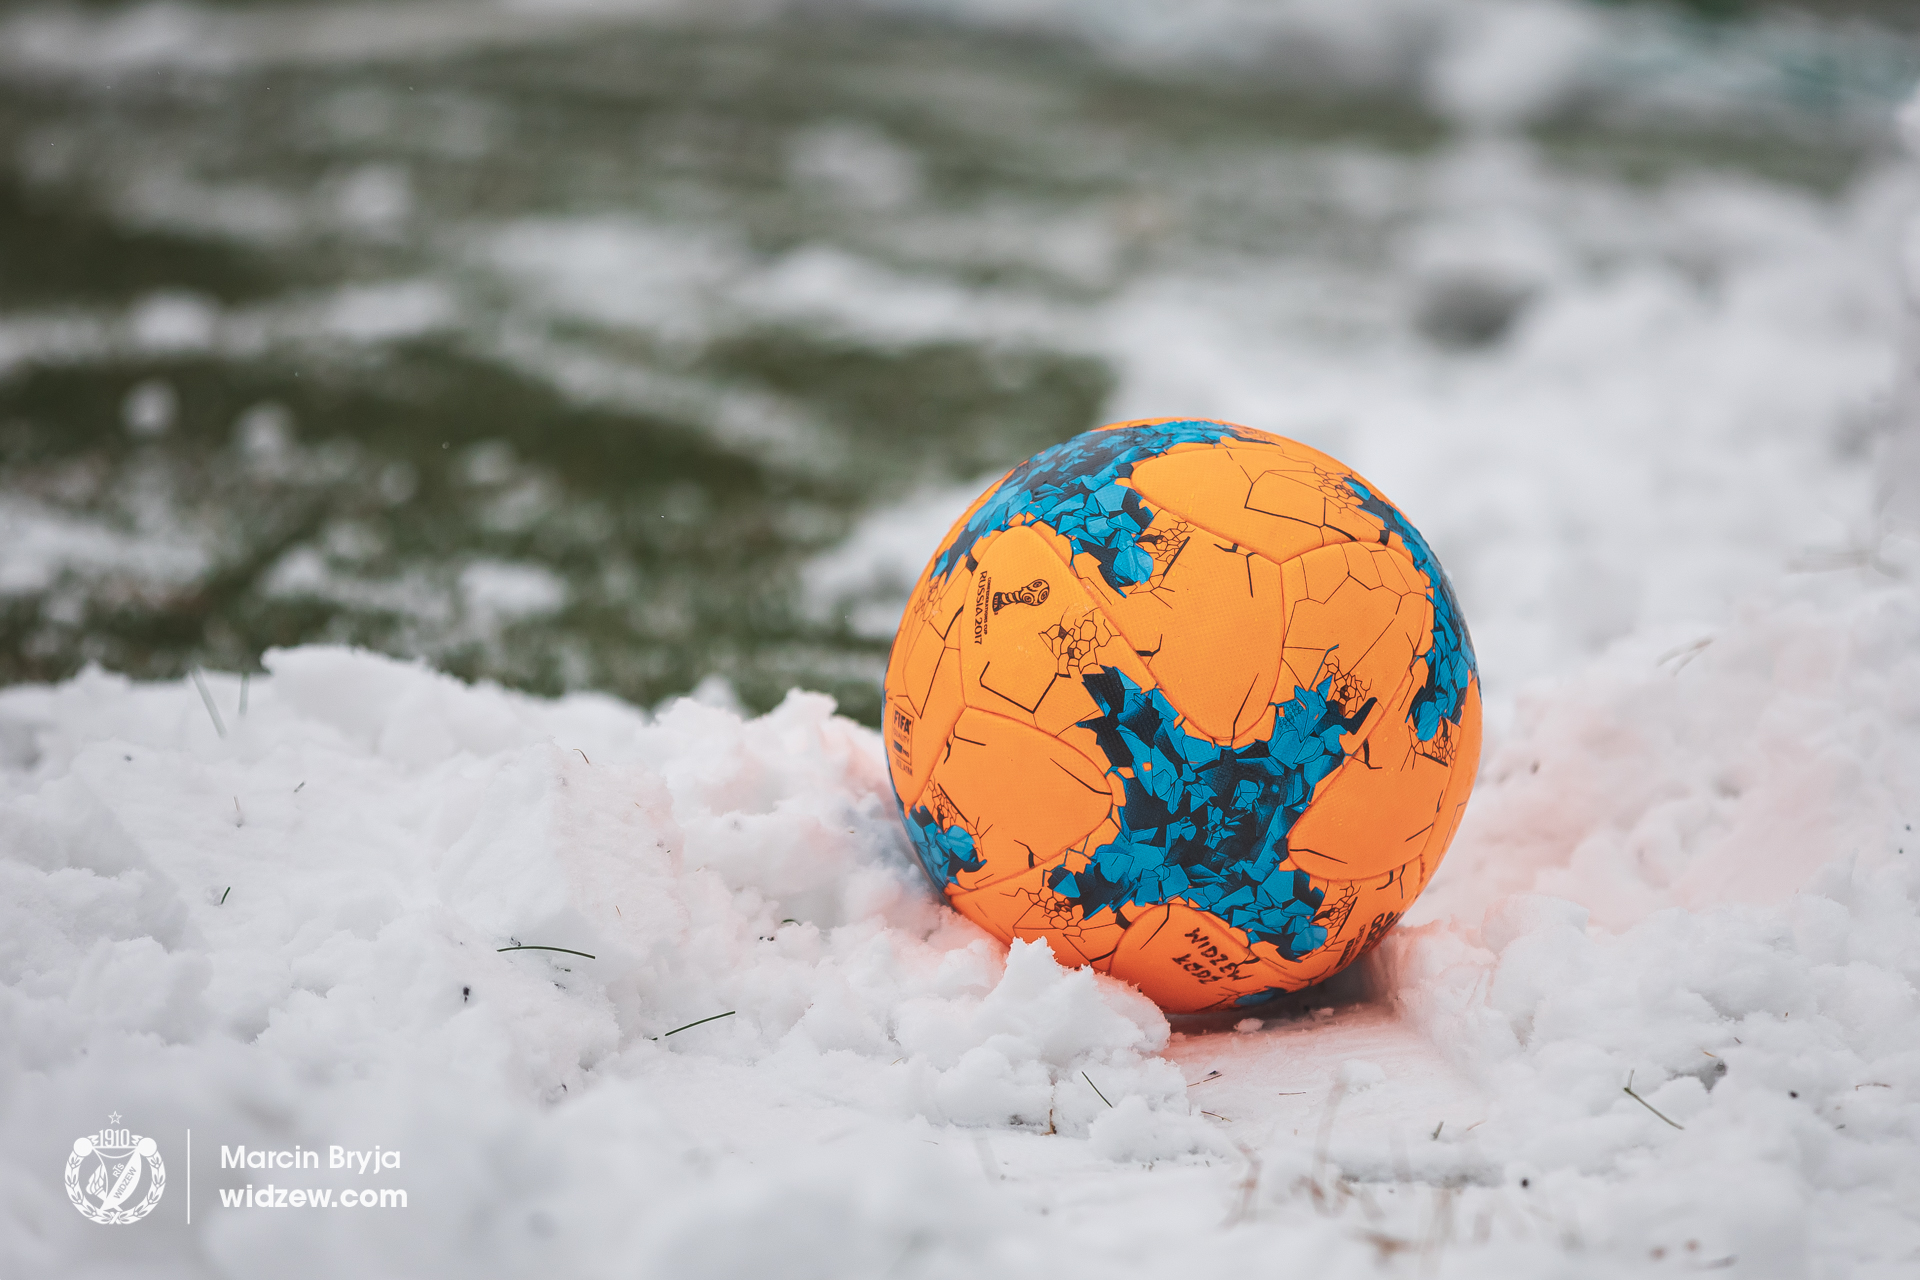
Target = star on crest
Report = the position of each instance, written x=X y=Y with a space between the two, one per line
x=114 y=1118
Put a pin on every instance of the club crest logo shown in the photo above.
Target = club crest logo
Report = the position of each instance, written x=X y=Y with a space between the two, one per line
x=105 y=1171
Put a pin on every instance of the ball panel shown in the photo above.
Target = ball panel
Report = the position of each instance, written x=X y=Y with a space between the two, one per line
x=932 y=603
x=1348 y=643
x=1024 y=796
x=923 y=684
x=1025 y=907
x=1206 y=625
x=1033 y=634
x=917 y=734
x=1383 y=805
x=930 y=622
x=1020 y=587
x=1187 y=960
x=1371 y=816
x=1450 y=660
x=1387 y=801
x=1273 y=497
x=1466 y=765
x=1356 y=914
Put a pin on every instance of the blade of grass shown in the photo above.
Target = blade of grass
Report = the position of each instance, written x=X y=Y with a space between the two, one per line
x=207 y=698
x=534 y=946
x=714 y=1018
x=1628 y=1090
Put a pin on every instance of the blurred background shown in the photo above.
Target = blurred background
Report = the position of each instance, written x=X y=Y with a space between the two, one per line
x=633 y=345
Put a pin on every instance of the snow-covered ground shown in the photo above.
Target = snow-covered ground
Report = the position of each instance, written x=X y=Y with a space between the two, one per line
x=659 y=993
x=1693 y=872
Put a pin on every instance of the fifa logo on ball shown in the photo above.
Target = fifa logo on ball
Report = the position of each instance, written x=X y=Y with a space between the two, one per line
x=121 y=1162
x=1034 y=592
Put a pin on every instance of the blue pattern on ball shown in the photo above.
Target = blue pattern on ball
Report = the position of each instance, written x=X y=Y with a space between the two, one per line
x=1451 y=662
x=944 y=852
x=1073 y=489
x=1209 y=823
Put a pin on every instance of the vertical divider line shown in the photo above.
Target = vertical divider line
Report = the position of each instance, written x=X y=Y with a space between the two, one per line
x=189 y=1177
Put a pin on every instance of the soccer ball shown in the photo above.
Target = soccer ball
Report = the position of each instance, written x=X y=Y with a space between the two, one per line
x=1192 y=702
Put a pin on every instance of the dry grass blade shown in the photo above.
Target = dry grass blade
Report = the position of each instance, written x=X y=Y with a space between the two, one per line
x=1249 y=1187
x=695 y=1023
x=1628 y=1090
x=1324 y=1142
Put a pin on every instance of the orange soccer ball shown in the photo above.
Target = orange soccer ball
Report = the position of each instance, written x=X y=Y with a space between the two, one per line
x=1192 y=702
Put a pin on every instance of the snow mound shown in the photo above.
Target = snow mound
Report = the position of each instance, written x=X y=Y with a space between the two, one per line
x=373 y=891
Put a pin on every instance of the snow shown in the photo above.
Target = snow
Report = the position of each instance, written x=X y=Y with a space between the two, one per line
x=501 y=588
x=45 y=545
x=1690 y=874
x=1657 y=1010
